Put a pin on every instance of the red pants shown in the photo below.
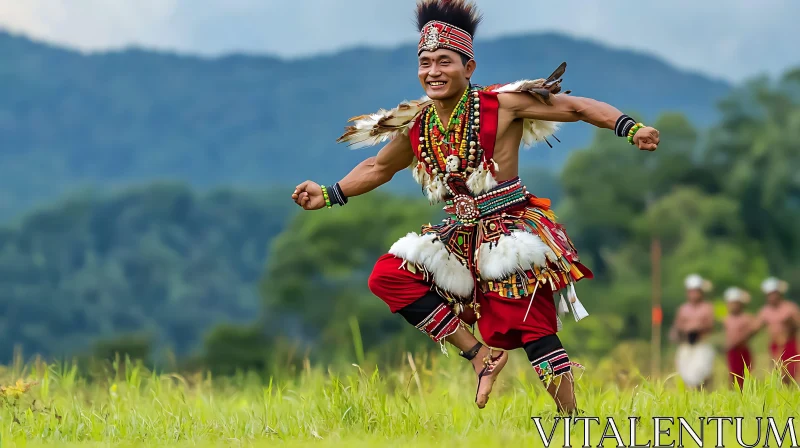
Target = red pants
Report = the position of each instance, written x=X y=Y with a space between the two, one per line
x=738 y=358
x=502 y=323
x=788 y=354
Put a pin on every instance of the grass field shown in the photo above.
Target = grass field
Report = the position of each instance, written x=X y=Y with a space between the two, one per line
x=53 y=406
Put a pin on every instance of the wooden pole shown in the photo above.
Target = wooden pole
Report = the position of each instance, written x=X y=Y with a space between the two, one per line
x=655 y=358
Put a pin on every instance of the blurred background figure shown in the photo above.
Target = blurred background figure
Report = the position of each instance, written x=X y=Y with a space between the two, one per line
x=781 y=318
x=693 y=325
x=738 y=324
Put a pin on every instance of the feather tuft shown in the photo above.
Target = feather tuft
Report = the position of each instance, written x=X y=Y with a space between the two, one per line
x=481 y=180
x=542 y=90
x=436 y=190
x=372 y=129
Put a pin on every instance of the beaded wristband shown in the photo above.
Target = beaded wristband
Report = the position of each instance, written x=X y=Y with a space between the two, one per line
x=633 y=131
x=325 y=194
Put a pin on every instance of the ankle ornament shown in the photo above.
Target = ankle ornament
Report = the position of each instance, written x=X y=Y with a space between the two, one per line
x=471 y=353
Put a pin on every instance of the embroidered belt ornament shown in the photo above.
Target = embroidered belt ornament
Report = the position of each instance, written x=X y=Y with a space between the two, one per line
x=465 y=208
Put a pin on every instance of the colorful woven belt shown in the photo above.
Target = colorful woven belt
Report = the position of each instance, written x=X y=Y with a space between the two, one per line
x=468 y=209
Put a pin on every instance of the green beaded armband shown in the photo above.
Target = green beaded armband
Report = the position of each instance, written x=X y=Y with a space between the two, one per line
x=325 y=195
x=633 y=131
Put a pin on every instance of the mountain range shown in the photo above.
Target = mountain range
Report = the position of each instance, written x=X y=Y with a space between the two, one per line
x=70 y=120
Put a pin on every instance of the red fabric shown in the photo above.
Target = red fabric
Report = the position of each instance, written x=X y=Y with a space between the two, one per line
x=413 y=136
x=738 y=358
x=788 y=354
x=395 y=286
x=490 y=106
x=502 y=323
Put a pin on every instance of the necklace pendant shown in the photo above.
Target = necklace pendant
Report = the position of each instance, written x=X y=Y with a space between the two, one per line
x=453 y=163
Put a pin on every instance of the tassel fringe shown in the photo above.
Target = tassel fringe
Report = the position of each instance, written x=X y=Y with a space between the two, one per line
x=563 y=308
x=577 y=307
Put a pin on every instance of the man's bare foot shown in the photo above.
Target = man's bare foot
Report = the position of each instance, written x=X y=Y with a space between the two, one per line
x=493 y=361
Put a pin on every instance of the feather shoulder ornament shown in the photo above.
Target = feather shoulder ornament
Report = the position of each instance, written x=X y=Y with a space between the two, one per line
x=372 y=129
x=541 y=89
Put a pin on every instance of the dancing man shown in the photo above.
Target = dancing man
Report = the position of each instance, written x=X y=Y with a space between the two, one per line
x=500 y=259
x=693 y=324
x=781 y=319
x=738 y=324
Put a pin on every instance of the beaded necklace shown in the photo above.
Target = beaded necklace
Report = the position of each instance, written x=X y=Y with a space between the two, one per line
x=444 y=150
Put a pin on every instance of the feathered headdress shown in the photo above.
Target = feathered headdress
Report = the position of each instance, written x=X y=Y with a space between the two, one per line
x=447 y=24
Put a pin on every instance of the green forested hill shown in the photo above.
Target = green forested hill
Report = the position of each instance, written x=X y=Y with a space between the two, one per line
x=68 y=119
x=160 y=260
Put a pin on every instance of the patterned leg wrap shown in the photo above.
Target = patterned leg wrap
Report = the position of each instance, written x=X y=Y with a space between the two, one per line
x=548 y=358
x=440 y=324
x=551 y=365
x=431 y=315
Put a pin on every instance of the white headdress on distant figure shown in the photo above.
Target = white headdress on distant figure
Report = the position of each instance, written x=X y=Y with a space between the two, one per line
x=773 y=284
x=734 y=294
x=694 y=281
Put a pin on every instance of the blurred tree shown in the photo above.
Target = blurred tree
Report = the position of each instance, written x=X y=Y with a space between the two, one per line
x=135 y=346
x=159 y=259
x=754 y=149
x=230 y=348
x=542 y=182
x=699 y=233
x=611 y=183
x=318 y=268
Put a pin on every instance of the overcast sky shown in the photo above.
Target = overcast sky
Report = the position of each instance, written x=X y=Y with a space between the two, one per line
x=732 y=39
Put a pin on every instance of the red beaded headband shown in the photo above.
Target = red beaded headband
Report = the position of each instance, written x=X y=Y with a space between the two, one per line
x=437 y=34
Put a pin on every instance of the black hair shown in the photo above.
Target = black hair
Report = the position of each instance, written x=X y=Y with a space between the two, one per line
x=462 y=14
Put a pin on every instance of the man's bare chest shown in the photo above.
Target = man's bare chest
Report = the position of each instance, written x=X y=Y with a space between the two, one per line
x=696 y=313
x=777 y=317
x=736 y=323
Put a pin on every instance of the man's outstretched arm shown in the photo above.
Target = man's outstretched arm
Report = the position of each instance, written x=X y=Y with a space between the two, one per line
x=564 y=108
x=365 y=177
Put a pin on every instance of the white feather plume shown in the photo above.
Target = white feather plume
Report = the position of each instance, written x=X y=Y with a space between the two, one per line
x=520 y=250
x=535 y=131
x=418 y=172
x=436 y=190
x=427 y=251
x=481 y=180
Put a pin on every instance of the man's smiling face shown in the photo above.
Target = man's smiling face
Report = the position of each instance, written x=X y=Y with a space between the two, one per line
x=443 y=73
